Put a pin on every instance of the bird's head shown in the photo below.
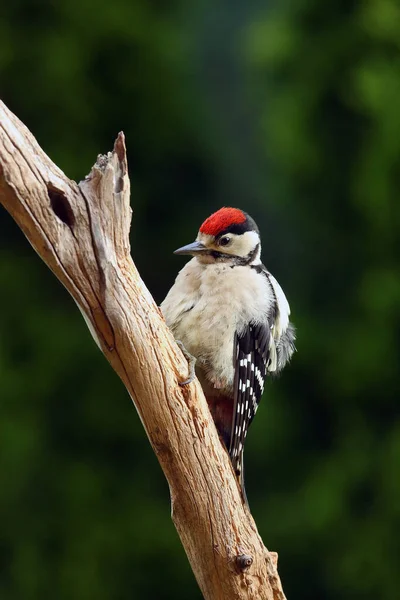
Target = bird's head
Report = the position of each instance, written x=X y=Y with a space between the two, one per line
x=228 y=235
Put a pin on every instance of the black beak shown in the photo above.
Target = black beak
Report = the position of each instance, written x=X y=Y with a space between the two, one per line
x=193 y=248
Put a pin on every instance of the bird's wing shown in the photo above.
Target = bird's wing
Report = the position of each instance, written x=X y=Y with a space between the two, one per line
x=283 y=333
x=282 y=306
x=261 y=349
x=251 y=357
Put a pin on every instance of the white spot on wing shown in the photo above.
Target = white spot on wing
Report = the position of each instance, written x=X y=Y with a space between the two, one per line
x=259 y=378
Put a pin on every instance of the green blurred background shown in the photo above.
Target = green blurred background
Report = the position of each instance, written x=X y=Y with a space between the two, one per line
x=291 y=111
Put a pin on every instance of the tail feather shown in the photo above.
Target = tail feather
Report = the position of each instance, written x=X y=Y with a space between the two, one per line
x=221 y=408
x=240 y=478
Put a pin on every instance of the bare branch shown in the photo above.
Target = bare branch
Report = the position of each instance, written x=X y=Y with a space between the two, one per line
x=82 y=234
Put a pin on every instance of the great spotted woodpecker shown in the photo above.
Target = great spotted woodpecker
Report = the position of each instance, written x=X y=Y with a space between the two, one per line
x=232 y=316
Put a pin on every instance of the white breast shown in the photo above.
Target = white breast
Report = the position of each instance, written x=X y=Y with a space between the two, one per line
x=208 y=304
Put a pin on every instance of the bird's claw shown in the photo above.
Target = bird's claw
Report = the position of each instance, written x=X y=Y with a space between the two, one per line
x=191 y=362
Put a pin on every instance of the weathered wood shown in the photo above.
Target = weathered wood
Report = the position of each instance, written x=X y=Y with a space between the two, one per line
x=82 y=234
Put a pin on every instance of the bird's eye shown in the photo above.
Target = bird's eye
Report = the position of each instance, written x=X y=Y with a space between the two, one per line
x=224 y=241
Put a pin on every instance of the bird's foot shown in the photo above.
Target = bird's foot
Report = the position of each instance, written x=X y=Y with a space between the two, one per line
x=218 y=384
x=191 y=363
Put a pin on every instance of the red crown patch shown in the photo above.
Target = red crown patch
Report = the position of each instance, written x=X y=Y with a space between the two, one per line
x=222 y=219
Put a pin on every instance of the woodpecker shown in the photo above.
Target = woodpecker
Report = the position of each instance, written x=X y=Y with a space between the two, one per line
x=232 y=316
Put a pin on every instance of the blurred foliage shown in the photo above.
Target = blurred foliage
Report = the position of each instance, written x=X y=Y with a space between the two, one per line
x=290 y=111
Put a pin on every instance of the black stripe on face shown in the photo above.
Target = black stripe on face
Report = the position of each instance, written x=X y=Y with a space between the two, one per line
x=231 y=258
x=236 y=260
x=258 y=268
x=221 y=256
x=252 y=254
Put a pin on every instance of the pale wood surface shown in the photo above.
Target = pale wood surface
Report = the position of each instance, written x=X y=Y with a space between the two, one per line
x=82 y=234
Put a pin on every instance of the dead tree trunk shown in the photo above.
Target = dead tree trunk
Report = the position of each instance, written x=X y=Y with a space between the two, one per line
x=82 y=233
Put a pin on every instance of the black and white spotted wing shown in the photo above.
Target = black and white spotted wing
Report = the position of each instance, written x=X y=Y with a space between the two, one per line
x=251 y=358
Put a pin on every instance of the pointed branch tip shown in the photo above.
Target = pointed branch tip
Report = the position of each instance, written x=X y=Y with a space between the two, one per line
x=120 y=147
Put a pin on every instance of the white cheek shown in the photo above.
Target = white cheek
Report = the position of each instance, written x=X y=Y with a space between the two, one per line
x=243 y=244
